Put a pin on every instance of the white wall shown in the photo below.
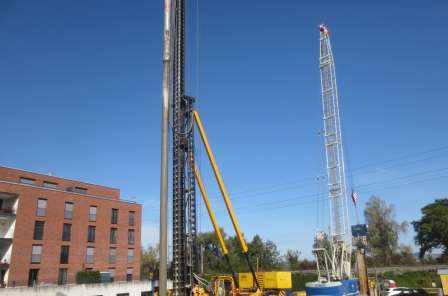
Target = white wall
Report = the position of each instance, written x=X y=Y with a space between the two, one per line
x=15 y=206
x=111 y=289
x=7 y=226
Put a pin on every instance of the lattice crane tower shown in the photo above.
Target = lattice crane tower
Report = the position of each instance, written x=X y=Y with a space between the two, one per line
x=334 y=258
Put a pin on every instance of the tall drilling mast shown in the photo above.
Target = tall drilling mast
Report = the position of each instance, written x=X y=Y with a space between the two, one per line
x=333 y=260
x=184 y=191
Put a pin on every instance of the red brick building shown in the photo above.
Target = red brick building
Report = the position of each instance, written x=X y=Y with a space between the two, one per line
x=51 y=228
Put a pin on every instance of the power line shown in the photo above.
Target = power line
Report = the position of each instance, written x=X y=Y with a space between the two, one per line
x=307 y=196
x=256 y=192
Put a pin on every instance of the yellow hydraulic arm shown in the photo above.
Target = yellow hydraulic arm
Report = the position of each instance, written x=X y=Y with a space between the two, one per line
x=224 y=194
x=225 y=251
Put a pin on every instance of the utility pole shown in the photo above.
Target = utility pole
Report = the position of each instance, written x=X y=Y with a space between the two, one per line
x=359 y=234
x=202 y=259
x=362 y=272
x=163 y=240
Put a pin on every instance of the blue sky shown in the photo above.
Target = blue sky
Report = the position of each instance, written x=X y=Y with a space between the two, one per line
x=81 y=85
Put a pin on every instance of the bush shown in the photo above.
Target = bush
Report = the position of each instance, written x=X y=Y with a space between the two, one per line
x=88 y=277
x=414 y=279
x=300 y=279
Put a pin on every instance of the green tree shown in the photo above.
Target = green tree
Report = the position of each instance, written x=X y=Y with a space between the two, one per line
x=149 y=263
x=265 y=251
x=306 y=264
x=383 y=230
x=212 y=253
x=292 y=259
x=432 y=228
x=88 y=277
x=404 y=256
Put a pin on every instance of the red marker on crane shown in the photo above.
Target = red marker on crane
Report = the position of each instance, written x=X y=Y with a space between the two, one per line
x=324 y=29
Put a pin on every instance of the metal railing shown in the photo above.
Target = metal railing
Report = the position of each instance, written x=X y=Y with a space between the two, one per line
x=7 y=211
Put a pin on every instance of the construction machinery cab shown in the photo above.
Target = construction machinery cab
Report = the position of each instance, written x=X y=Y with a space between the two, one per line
x=224 y=285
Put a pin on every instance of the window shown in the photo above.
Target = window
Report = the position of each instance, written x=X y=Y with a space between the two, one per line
x=36 y=253
x=131 y=218
x=65 y=252
x=33 y=277
x=112 y=255
x=68 y=211
x=129 y=274
x=112 y=274
x=90 y=254
x=38 y=230
x=113 y=235
x=77 y=189
x=41 y=207
x=130 y=255
x=66 y=232
x=80 y=190
x=50 y=185
x=91 y=234
x=131 y=236
x=92 y=213
x=114 y=217
x=27 y=181
x=62 y=277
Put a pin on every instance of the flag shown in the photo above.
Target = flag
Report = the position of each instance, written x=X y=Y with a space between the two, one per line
x=354 y=197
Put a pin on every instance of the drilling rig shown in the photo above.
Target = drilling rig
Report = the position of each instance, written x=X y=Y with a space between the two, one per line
x=332 y=251
x=185 y=175
x=184 y=230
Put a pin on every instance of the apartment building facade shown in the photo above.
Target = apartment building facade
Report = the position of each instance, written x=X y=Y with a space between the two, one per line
x=51 y=228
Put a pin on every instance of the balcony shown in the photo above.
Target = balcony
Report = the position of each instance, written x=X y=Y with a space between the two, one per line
x=5 y=251
x=5 y=260
x=7 y=227
x=4 y=265
x=8 y=205
x=7 y=214
x=4 y=242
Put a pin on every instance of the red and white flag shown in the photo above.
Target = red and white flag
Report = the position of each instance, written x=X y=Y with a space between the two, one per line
x=354 y=197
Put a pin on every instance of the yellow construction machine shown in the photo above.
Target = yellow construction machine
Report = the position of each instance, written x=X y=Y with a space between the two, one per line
x=251 y=283
x=271 y=283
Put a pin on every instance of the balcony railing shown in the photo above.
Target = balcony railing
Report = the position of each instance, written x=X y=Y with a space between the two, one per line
x=4 y=265
x=5 y=241
x=7 y=212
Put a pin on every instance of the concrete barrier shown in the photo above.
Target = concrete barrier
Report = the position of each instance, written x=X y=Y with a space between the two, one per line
x=134 y=288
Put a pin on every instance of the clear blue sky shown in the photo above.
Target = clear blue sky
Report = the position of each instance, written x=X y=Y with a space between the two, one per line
x=80 y=94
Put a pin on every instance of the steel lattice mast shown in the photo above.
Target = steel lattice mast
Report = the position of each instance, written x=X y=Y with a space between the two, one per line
x=184 y=191
x=337 y=263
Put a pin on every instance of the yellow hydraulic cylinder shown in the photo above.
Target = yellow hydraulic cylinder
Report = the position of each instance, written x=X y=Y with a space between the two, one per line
x=210 y=211
x=218 y=177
